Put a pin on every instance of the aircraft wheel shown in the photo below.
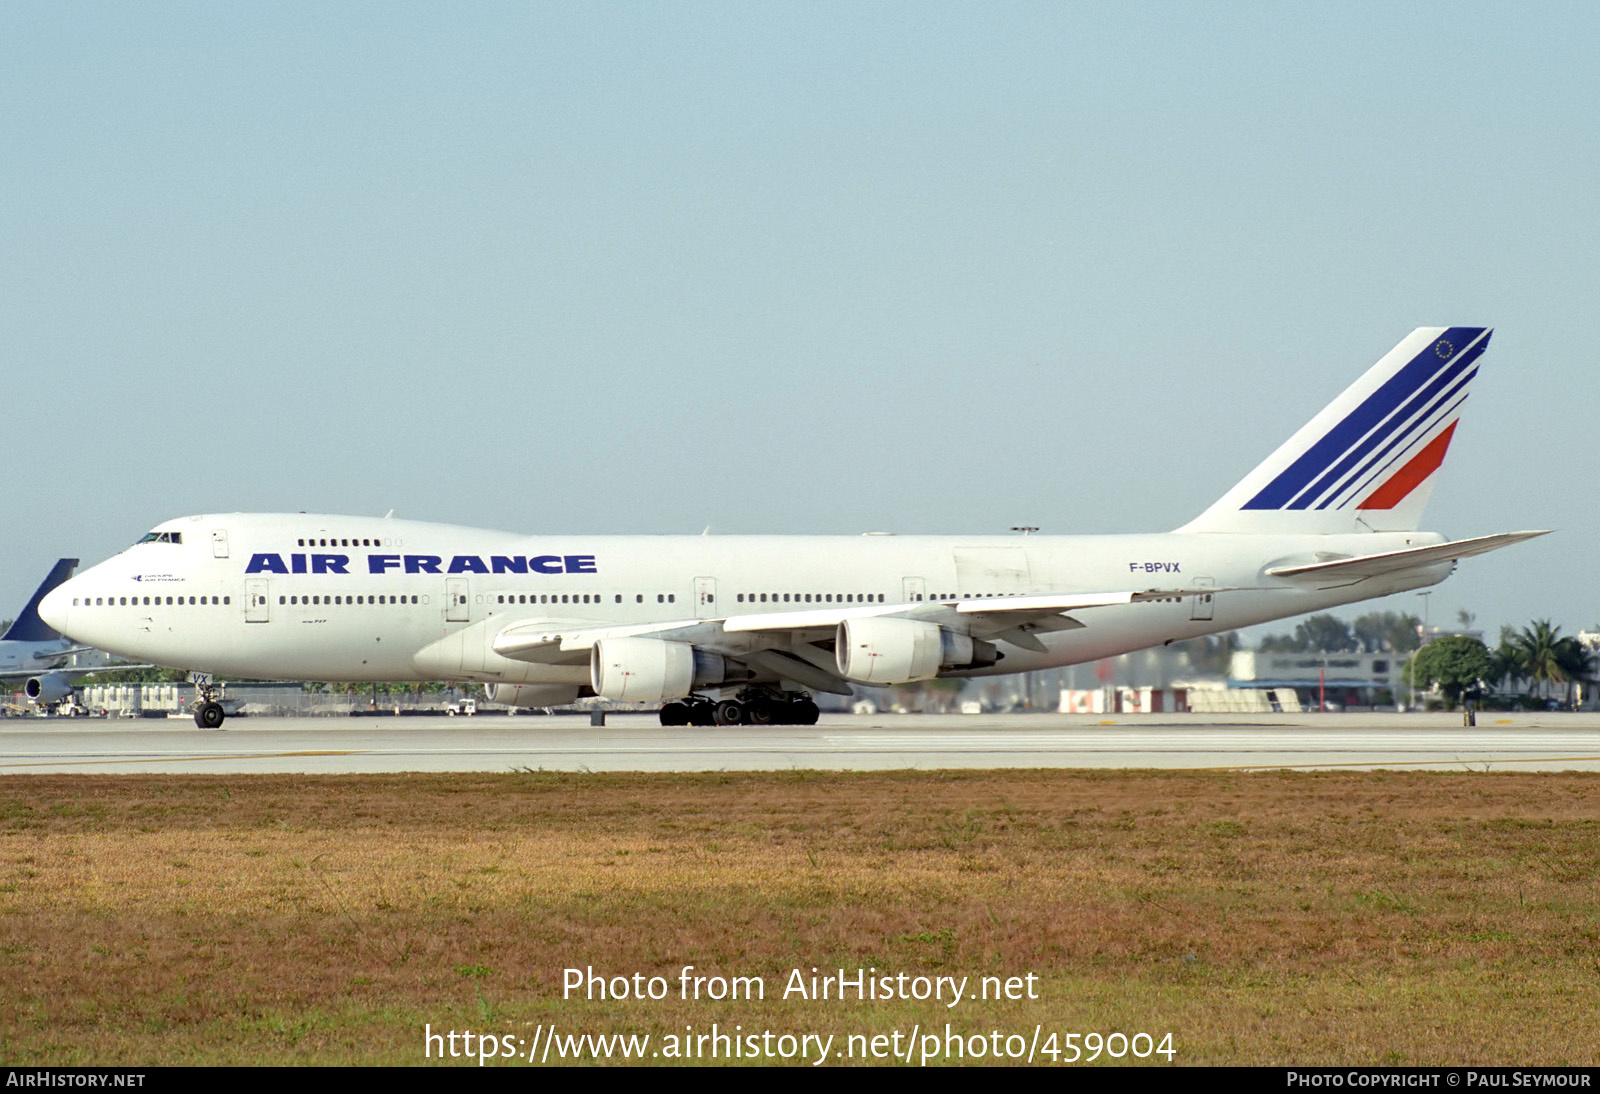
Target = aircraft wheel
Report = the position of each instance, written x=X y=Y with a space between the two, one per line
x=702 y=714
x=209 y=716
x=730 y=712
x=764 y=712
x=806 y=713
x=675 y=714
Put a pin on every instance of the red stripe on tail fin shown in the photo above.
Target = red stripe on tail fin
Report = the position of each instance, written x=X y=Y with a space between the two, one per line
x=1409 y=477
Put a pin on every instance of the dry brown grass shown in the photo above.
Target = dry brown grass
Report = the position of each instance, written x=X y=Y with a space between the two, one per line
x=1261 y=918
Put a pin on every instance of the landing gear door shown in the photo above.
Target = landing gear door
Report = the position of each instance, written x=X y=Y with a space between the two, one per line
x=1205 y=602
x=256 y=609
x=705 y=598
x=455 y=600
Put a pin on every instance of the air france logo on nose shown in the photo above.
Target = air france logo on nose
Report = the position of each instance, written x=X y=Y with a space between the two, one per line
x=273 y=563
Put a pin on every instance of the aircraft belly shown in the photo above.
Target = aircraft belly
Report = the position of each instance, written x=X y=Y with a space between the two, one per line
x=281 y=649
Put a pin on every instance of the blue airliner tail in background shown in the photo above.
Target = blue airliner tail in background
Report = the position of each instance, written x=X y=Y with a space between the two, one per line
x=28 y=627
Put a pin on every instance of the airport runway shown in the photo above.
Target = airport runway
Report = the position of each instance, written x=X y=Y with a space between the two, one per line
x=495 y=742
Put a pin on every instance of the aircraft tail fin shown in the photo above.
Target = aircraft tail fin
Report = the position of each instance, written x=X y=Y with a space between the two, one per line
x=1366 y=463
x=28 y=627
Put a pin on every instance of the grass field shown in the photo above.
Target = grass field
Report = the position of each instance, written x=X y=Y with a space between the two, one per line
x=1347 y=918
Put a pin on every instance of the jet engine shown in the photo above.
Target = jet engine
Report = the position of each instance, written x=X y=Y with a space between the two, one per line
x=532 y=695
x=882 y=650
x=52 y=687
x=648 y=670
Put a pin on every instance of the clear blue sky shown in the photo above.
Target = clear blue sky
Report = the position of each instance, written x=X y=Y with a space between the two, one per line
x=785 y=268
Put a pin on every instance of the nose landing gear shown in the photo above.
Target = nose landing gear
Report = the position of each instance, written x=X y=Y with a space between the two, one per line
x=208 y=713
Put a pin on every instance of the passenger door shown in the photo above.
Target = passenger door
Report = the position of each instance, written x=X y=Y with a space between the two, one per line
x=705 y=598
x=257 y=601
x=456 y=609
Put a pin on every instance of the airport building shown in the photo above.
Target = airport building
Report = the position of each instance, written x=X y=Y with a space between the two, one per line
x=1343 y=680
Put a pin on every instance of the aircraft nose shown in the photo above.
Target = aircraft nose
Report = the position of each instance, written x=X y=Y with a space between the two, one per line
x=53 y=608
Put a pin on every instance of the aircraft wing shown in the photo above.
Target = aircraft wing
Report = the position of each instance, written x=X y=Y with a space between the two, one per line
x=1013 y=619
x=73 y=671
x=56 y=659
x=555 y=642
x=1388 y=562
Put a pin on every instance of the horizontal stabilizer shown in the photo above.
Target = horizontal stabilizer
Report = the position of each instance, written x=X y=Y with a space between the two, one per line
x=1388 y=562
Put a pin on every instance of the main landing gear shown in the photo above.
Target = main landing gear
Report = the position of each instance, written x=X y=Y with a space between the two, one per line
x=753 y=707
x=207 y=711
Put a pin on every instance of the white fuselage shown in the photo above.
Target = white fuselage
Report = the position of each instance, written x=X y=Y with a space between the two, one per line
x=287 y=596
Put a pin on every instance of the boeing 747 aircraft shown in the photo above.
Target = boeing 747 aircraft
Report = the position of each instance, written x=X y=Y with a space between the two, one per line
x=743 y=628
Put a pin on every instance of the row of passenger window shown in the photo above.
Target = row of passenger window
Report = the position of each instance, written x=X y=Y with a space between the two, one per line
x=134 y=601
x=578 y=598
x=334 y=541
x=965 y=596
x=351 y=600
x=806 y=598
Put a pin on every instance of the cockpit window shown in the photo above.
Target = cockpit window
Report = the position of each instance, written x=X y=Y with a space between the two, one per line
x=162 y=537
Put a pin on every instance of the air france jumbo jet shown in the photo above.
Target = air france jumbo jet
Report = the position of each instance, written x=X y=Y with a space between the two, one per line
x=743 y=628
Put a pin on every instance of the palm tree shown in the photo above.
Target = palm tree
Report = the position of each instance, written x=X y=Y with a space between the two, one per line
x=1537 y=649
x=1576 y=663
x=1505 y=663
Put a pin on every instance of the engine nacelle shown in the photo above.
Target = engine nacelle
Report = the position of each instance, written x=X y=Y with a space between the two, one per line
x=532 y=695
x=648 y=670
x=52 y=687
x=885 y=650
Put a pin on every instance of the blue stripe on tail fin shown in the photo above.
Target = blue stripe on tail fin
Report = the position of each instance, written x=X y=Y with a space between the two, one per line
x=1324 y=478
x=1394 y=406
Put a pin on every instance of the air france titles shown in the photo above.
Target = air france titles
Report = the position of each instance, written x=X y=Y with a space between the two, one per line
x=273 y=563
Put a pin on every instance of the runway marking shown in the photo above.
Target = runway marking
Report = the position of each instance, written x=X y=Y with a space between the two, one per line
x=184 y=759
x=1100 y=742
x=1401 y=756
x=1413 y=763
